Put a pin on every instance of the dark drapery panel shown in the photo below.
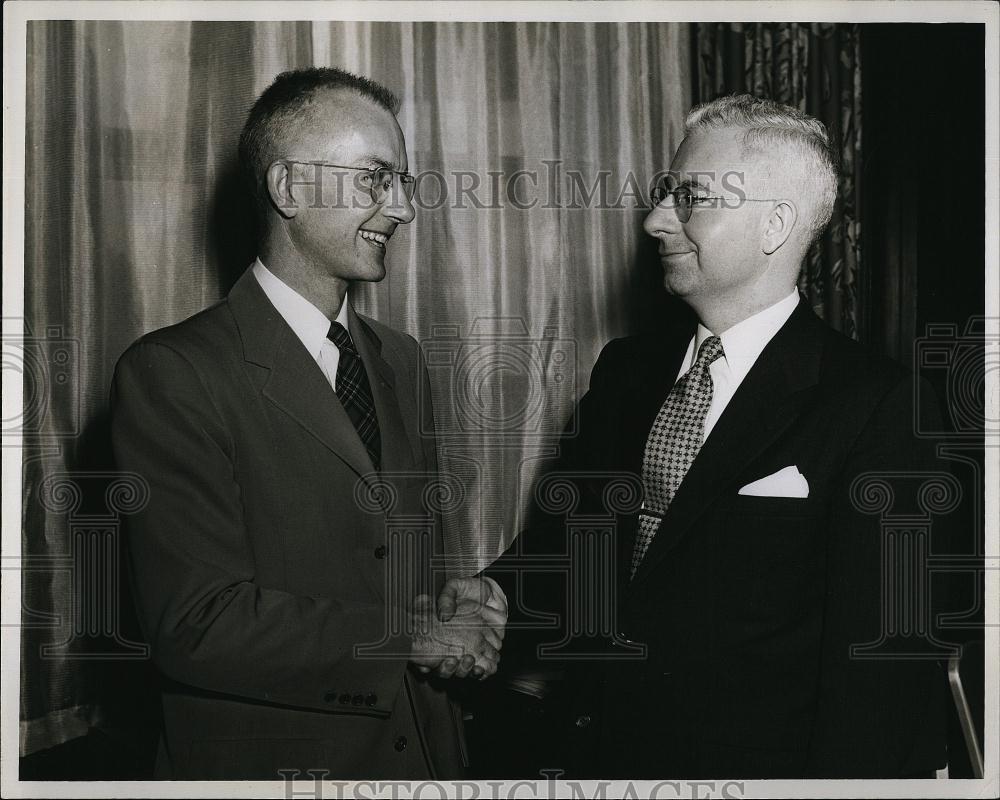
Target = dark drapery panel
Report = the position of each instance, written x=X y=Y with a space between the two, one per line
x=135 y=220
x=815 y=67
x=926 y=123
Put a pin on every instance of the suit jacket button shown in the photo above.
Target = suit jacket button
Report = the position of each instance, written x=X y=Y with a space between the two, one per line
x=371 y=699
x=357 y=700
x=330 y=696
x=400 y=744
x=582 y=721
x=380 y=551
x=345 y=698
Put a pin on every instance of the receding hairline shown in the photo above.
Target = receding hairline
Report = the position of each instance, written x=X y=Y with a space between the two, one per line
x=346 y=103
x=347 y=98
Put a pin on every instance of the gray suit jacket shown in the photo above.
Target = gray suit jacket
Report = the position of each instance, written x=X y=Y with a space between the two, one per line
x=270 y=564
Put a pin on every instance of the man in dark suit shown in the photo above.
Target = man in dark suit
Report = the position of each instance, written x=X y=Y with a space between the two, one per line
x=280 y=434
x=752 y=567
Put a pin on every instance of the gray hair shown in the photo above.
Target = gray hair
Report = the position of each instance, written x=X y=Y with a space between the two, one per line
x=773 y=125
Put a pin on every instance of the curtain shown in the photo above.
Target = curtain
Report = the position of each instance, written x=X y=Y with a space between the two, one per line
x=135 y=221
x=815 y=67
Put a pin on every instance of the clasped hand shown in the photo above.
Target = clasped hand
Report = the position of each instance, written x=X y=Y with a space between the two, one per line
x=463 y=634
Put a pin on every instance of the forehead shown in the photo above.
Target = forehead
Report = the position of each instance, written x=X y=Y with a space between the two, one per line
x=708 y=157
x=344 y=128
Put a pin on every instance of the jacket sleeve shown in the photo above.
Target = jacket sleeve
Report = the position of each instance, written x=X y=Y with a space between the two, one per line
x=533 y=595
x=208 y=623
x=880 y=711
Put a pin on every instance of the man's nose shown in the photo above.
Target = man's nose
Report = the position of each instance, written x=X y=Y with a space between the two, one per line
x=662 y=219
x=398 y=206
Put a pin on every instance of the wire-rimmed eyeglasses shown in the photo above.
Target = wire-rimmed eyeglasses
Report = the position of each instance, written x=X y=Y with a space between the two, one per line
x=377 y=180
x=685 y=199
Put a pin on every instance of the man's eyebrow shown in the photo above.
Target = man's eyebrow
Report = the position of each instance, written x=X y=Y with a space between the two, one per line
x=376 y=161
x=692 y=184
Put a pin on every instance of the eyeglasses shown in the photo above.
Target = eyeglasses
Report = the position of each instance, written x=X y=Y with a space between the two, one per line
x=377 y=180
x=685 y=199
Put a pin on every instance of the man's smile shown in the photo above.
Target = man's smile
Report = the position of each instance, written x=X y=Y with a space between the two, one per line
x=376 y=238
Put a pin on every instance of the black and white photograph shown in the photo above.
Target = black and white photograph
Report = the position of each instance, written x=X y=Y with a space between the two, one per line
x=501 y=399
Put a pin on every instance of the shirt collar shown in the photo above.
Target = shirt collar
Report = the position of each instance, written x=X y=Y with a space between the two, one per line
x=308 y=322
x=743 y=343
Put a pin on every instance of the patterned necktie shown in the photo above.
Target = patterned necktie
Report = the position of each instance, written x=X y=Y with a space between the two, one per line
x=355 y=392
x=673 y=443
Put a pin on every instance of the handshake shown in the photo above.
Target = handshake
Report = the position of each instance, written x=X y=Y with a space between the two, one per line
x=463 y=635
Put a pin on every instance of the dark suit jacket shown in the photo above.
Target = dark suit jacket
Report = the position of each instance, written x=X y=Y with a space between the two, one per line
x=263 y=557
x=748 y=605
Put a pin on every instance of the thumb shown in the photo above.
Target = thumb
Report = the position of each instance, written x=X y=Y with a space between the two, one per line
x=447 y=602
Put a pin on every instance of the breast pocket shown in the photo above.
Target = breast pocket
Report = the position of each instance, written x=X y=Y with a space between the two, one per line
x=744 y=505
x=761 y=525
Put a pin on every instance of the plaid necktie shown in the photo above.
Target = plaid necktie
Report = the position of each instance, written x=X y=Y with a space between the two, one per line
x=355 y=392
x=673 y=443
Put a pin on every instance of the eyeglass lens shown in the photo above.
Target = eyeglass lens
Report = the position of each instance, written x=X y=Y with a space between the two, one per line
x=381 y=183
x=682 y=198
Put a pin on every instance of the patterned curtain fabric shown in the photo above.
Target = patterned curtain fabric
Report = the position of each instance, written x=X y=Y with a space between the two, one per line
x=135 y=221
x=815 y=67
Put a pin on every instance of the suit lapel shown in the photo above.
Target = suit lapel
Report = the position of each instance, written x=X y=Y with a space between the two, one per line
x=766 y=404
x=294 y=382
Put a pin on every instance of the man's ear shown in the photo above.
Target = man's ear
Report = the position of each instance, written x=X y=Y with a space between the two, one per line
x=779 y=226
x=279 y=187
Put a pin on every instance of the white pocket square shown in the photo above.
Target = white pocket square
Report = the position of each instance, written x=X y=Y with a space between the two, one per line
x=787 y=482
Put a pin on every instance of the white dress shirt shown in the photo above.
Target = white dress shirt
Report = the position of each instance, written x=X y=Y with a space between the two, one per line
x=309 y=323
x=742 y=345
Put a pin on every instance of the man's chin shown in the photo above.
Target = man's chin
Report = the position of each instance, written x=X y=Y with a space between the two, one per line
x=368 y=277
x=372 y=271
x=675 y=281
